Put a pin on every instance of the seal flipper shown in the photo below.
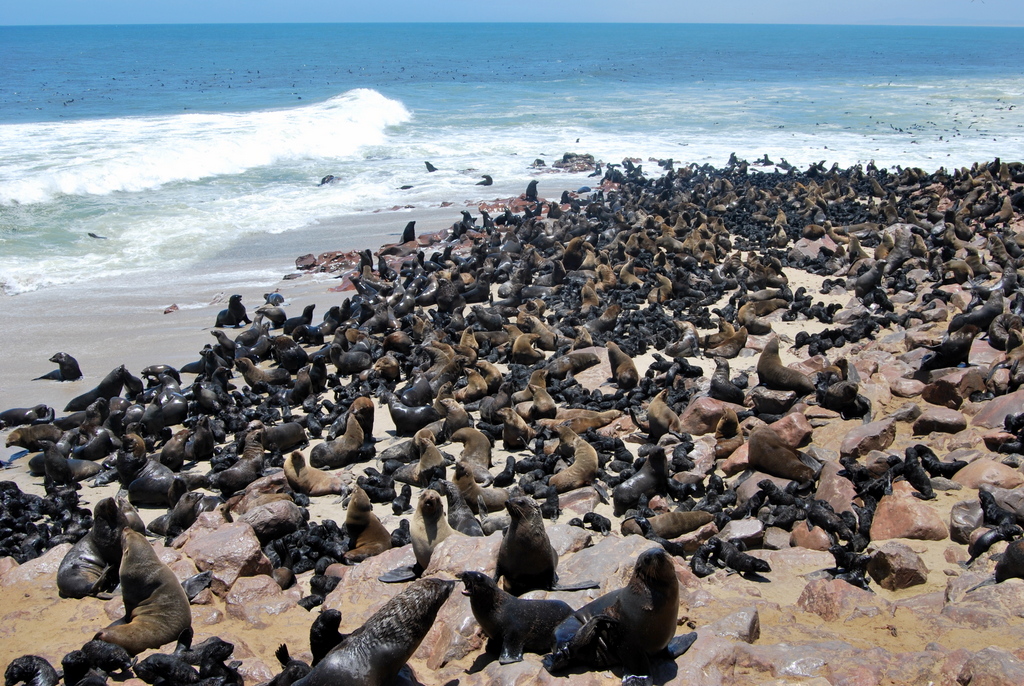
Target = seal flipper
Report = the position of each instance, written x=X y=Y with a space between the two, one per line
x=578 y=586
x=401 y=575
x=511 y=649
x=680 y=644
x=196 y=583
x=55 y=375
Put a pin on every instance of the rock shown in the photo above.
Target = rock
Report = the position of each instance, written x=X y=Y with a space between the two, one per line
x=953 y=389
x=867 y=437
x=750 y=486
x=1009 y=499
x=992 y=666
x=907 y=412
x=257 y=598
x=474 y=553
x=272 y=484
x=274 y=520
x=895 y=566
x=837 y=491
x=776 y=538
x=941 y=419
x=995 y=410
x=900 y=516
x=744 y=625
x=794 y=429
x=567 y=539
x=737 y=462
x=986 y=472
x=995 y=439
x=702 y=415
x=609 y=562
x=906 y=388
x=229 y=552
x=748 y=530
x=833 y=599
x=579 y=501
x=693 y=540
x=812 y=538
x=42 y=569
x=964 y=517
x=767 y=401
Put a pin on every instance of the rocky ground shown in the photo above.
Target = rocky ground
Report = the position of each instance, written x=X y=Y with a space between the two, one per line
x=926 y=616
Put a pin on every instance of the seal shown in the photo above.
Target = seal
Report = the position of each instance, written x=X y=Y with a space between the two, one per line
x=628 y=626
x=429 y=527
x=584 y=468
x=526 y=559
x=648 y=479
x=20 y=416
x=493 y=499
x=303 y=478
x=67 y=369
x=32 y=670
x=156 y=609
x=768 y=453
x=376 y=652
x=235 y=314
x=513 y=625
x=773 y=374
x=367 y=535
x=92 y=563
x=671 y=524
x=623 y=368
x=428 y=467
x=341 y=451
x=109 y=387
x=32 y=437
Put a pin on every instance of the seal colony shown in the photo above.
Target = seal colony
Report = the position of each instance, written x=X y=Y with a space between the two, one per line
x=577 y=337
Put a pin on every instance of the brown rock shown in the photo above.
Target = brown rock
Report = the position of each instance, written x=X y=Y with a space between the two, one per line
x=567 y=539
x=359 y=594
x=906 y=388
x=964 y=517
x=900 y=516
x=832 y=599
x=954 y=388
x=995 y=410
x=471 y=553
x=580 y=501
x=748 y=530
x=994 y=439
x=813 y=538
x=794 y=429
x=230 y=551
x=867 y=437
x=702 y=415
x=43 y=569
x=941 y=419
x=992 y=666
x=609 y=562
x=746 y=490
x=254 y=494
x=768 y=401
x=744 y=625
x=895 y=566
x=837 y=491
x=256 y=599
x=907 y=412
x=776 y=538
x=986 y=472
x=274 y=520
x=737 y=462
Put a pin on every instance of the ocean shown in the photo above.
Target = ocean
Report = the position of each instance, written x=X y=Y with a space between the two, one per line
x=174 y=143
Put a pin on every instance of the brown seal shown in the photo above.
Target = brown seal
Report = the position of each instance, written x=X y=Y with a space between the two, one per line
x=92 y=563
x=367 y=535
x=374 y=654
x=727 y=435
x=429 y=526
x=751 y=313
x=648 y=479
x=156 y=609
x=254 y=375
x=302 y=478
x=30 y=437
x=661 y=419
x=494 y=499
x=428 y=467
x=670 y=524
x=526 y=559
x=623 y=368
x=516 y=433
x=343 y=450
x=584 y=468
x=773 y=374
x=768 y=453
x=729 y=347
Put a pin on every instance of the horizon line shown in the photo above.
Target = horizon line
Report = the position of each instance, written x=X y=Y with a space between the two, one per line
x=520 y=23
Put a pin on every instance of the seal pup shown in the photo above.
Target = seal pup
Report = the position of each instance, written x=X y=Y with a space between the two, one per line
x=156 y=609
x=773 y=374
x=376 y=652
x=628 y=626
x=512 y=624
x=32 y=670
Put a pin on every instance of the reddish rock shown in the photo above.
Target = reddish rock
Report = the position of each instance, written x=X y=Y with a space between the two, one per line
x=737 y=462
x=992 y=666
x=567 y=539
x=832 y=599
x=749 y=487
x=744 y=625
x=793 y=429
x=274 y=520
x=471 y=553
x=812 y=365
x=994 y=439
x=813 y=538
x=702 y=415
x=907 y=412
x=995 y=410
x=941 y=419
x=580 y=501
x=7 y=564
x=986 y=472
x=954 y=388
x=230 y=551
x=254 y=493
x=256 y=599
x=984 y=355
x=359 y=593
x=895 y=566
x=42 y=570
x=964 y=517
x=837 y=491
x=768 y=401
x=901 y=516
x=906 y=388
x=748 y=530
x=609 y=562
x=867 y=437
x=694 y=539
x=776 y=538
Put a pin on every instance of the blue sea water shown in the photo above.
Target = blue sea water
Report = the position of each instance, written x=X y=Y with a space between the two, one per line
x=174 y=141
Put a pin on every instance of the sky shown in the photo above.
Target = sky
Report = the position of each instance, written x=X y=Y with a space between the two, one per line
x=900 y=12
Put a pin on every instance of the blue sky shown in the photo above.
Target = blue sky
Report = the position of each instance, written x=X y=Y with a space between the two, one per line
x=919 y=12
